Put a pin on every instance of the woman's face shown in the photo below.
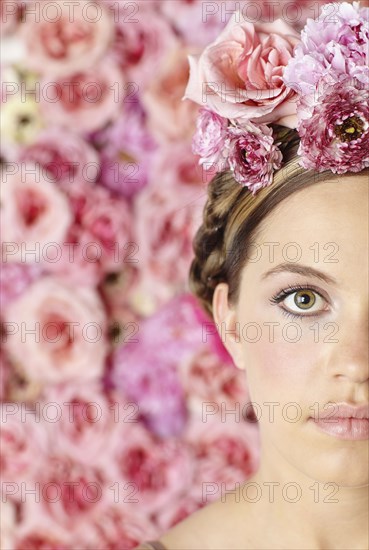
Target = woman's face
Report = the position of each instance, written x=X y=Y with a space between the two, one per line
x=295 y=366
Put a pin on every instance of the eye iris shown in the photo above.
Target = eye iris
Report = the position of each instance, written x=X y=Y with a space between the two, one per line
x=304 y=299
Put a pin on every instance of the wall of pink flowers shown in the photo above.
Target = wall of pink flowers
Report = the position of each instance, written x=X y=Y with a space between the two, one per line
x=121 y=411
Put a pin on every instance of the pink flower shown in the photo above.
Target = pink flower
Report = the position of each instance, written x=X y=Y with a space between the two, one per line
x=23 y=437
x=84 y=101
x=226 y=451
x=253 y=155
x=85 y=420
x=10 y=11
x=64 y=154
x=74 y=38
x=142 y=39
x=170 y=118
x=116 y=527
x=336 y=135
x=69 y=340
x=239 y=76
x=179 y=510
x=160 y=471
x=34 y=214
x=206 y=378
x=15 y=278
x=336 y=42
x=196 y=22
x=169 y=213
x=210 y=139
x=127 y=151
x=146 y=370
x=69 y=492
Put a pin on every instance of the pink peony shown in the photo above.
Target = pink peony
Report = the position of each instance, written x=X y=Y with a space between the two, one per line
x=84 y=101
x=67 y=39
x=336 y=135
x=210 y=139
x=64 y=154
x=34 y=214
x=69 y=338
x=127 y=151
x=336 y=42
x=253 y=155
x=239 y=76
x=179 y=510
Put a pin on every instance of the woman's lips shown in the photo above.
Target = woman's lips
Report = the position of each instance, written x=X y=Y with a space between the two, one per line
x=344 y=421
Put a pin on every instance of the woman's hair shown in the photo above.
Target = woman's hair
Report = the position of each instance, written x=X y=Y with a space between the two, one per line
x=231 y=218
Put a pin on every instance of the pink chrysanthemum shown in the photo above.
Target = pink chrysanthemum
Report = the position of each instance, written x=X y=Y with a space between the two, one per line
x=210 y=138
x=253 y=155
x=336 y=136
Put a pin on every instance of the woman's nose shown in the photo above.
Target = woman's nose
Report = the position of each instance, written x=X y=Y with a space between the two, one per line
x=349 y=357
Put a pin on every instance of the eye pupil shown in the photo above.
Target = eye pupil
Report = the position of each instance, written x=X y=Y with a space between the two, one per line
x=304 y=299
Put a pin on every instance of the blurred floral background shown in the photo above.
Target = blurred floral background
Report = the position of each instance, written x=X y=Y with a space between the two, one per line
x=121 y=411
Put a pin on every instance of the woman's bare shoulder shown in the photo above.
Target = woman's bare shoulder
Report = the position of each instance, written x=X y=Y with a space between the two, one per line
x=217 y=526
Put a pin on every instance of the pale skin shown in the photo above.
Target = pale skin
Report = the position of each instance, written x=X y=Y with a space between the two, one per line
x=326 y=364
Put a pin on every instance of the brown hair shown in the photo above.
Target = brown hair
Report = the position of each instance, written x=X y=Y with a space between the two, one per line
x=231 y=218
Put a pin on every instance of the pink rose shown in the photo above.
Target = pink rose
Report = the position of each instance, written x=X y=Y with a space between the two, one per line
x=207 y=378
x=142 y=39
x=99 y=241
x=170 y=213
x=69 y=324
x=23 y=437
x=64 y=154
x=84 y=101
x=85 y=420
x=239 y=75
x=34 y=213
x=159 y=471
x=69 y=492
x=68 y=38
x=170 y=117
x=226 y=450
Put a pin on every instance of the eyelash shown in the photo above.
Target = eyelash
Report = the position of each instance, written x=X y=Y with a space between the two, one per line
x=285 y=292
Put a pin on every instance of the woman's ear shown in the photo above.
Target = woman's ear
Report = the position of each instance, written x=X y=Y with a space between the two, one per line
x=228 y=327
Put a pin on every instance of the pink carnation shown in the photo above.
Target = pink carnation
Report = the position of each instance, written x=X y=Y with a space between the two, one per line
x=336 y=135
x=209 y=139
x=15 y=279
x=253 y=156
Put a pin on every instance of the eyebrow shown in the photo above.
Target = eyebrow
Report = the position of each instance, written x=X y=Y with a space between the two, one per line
x=300 y=270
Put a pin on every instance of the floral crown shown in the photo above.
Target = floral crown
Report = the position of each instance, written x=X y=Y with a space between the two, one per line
x=264 y=85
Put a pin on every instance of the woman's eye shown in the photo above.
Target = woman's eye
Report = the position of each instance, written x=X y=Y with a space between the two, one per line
x=304 y=302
